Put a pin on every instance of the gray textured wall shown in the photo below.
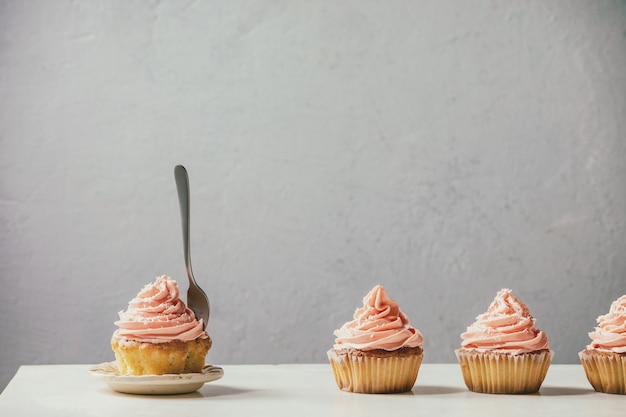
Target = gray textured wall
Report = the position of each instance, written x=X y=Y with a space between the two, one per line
x=442 y=149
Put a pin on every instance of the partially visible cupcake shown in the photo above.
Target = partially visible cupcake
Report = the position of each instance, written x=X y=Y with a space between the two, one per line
x=379 y=351
x=502 y=352
x=604 y=360
x=158 y=334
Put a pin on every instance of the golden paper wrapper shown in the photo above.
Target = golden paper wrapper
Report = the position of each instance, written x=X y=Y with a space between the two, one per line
x=606 y=371
x=375 y=375
x=502 y=373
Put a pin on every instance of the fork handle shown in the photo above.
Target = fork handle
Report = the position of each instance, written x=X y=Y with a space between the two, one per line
x=182 y=186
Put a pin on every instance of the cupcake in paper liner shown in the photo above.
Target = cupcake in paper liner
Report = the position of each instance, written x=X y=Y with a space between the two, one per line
x=604 y=360
x=502 y=352
x=379 y=351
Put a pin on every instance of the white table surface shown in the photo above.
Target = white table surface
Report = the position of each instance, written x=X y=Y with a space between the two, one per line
x=300 y=390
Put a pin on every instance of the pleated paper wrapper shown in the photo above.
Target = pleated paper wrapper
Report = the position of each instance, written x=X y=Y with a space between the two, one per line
x=375 y=375
x=606 y=371
x=502 y=373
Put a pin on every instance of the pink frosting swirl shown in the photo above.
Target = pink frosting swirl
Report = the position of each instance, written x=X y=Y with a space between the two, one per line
x=506 y=327
x=610 y=334
x=158 y=315
x=379 y=324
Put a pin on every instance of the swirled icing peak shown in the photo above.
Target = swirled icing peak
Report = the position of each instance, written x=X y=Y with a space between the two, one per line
x=610 y=334
x=379 y=324
x=507 y=327
x=158 y=315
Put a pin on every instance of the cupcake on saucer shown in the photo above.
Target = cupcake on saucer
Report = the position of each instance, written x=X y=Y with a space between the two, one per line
x=502 y=352
x=604 y=360
x=158 y=334
x=379 y=351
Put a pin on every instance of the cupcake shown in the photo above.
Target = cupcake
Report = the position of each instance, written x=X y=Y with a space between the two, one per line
x=604 y=360
x=379 y=351
x=502 y=352
x=158 y=334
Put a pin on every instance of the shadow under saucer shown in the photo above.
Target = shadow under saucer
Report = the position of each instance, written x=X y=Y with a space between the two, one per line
x=222 y=391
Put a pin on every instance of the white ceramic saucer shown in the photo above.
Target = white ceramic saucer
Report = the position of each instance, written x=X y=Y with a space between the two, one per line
x=154 y=384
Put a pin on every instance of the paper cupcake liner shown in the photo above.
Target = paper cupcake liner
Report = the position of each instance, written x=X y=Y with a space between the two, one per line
x=501 y=373
x=606 y=371
x=375 y=375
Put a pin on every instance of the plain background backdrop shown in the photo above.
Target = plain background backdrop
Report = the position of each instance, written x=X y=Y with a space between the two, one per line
x=443 y=149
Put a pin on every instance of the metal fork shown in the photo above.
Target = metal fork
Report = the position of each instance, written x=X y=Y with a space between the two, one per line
x=197 y=301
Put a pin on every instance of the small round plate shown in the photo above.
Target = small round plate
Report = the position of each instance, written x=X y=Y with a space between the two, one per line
x=154 y=384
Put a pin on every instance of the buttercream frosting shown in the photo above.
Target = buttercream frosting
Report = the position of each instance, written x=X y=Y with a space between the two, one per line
x=158 y=315
x=506 y=327
x=610 y=334
x=379 y=324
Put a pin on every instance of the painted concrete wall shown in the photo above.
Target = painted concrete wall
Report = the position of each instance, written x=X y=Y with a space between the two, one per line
x=442 y=149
